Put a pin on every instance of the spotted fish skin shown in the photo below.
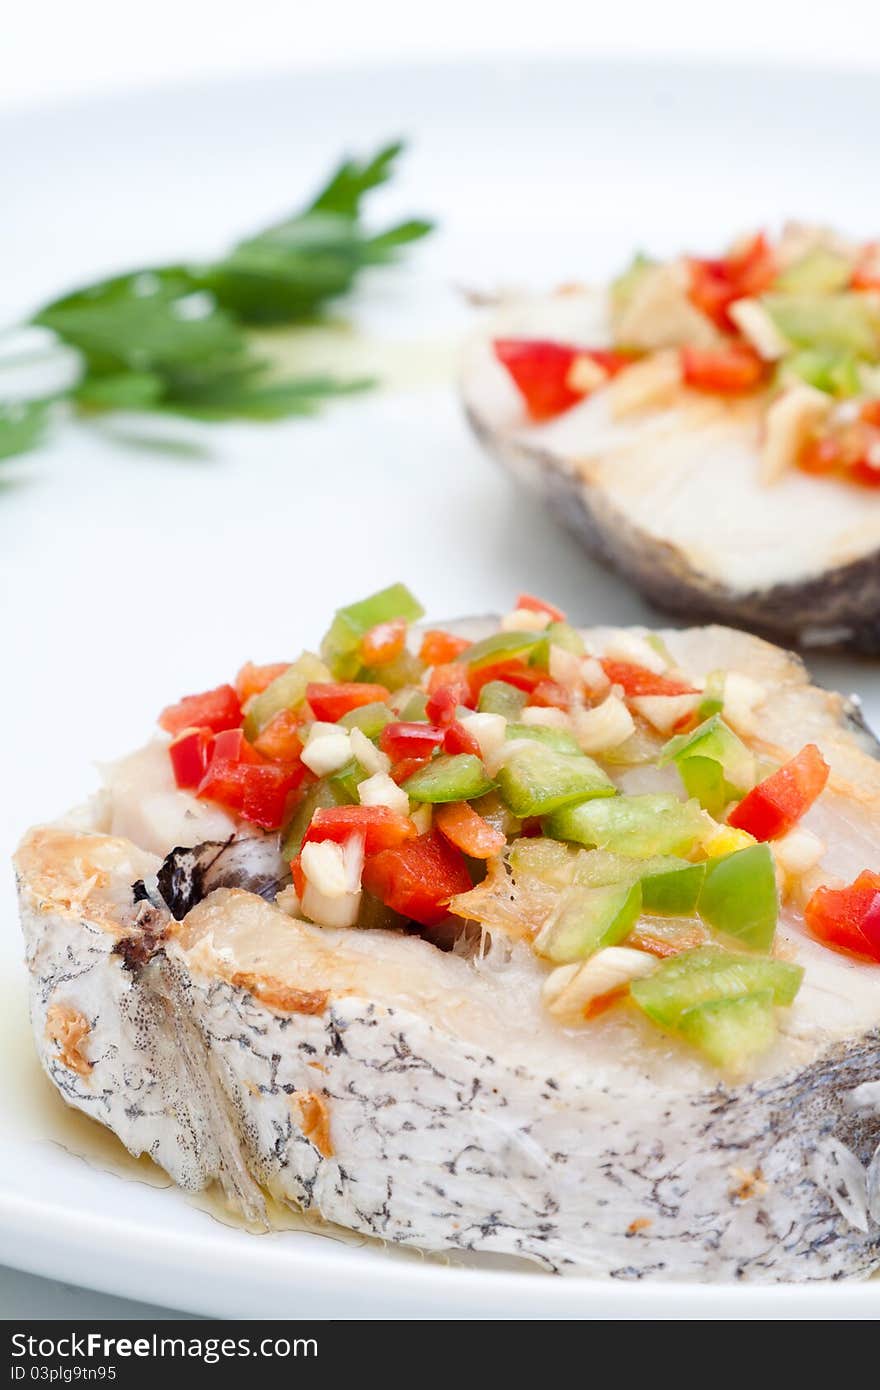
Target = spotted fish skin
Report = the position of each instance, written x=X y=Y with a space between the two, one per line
x=422 y=1098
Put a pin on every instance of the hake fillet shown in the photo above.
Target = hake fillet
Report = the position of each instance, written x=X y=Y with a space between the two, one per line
x=424 y=1097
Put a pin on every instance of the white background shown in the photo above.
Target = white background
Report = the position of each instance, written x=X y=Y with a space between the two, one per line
x=49 y=51
x=53 y=52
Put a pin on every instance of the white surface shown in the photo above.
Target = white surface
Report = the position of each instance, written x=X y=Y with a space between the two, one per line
x=131 y=578
x=51 y=49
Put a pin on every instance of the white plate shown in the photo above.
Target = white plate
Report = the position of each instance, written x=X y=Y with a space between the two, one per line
x=129 y=578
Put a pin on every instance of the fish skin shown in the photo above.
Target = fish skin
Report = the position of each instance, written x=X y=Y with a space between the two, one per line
x=442 y=1145
x=836 y=609
x=439 y=1140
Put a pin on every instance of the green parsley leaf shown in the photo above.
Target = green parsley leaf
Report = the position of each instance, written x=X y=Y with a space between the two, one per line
x=22 y=426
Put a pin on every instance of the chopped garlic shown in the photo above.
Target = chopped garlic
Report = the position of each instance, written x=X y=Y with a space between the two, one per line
x=798 y=851
x=288 y=901
x=742 y=696
x=806 y=884
x=585 y=375
x=638 y=651
x=789 y=422
x=382 y=790
x=654 y=381
x=758 y=328
x=490 y=731
x=659 y=314
x=332 y=895
x=565 y=668
x=605 y=726
x=323 y=863
x=371 y=758
x=421 y=818
x=569 y=988
x=594 y=677
x=664 y=712
x=525 y=620
x=545 y=718
x=327 y=752
x=340 y=910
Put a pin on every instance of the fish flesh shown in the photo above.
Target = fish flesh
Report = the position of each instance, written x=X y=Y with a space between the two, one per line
x=425 y=1097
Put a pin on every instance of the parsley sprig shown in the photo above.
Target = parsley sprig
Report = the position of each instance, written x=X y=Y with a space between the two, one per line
x=176 y=339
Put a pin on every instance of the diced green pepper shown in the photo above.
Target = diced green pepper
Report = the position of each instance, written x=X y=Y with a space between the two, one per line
x=818 y=272
x=370 y=719
x=501 y=646
x=557 y=635
x=674 y=889
x=321 y=796
x=286 y=692
x=536 y=779
x=731 y=1032
x=639 y=826
x=498 y=697
x=587 y=920
x=841 y=322
x=709 y=973
x=405 y=669
x=626 y=284
x=712 y=700
x=560 y=739
x=451 y=777
x=346 y=781
x=416 y=708
x=340 y=646
x=837 y=373
x=739 y=896
x=714 y=765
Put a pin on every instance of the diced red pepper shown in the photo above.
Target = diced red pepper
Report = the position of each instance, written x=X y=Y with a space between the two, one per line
x=866 y=275
x=775 y=805
x=638 y=680
x=260 y=793
x=280 y=741
x=454 y=675
x=441 y=648
x=443 y=701
x=460 y=740
x=298 y=876
x=550 y=694
x=190 y=753
x=384 y=643
x=253 y=680
x=405 y=769
x=540 y=372
x=331 y=700
x=724 y=371
x=540 y=605
x=214 y=709
x=468 y=831
x=418 y=878
x=381 y=827
x=403 y=738
x=848 y=919
x=716 y=284
x=231 y=746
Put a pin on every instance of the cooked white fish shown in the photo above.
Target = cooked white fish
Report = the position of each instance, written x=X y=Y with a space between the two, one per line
x=672 y=494
x=426 y=1097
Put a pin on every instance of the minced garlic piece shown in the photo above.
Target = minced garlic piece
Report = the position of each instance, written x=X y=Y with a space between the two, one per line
x=665 y=712
x=652 y=382
x=758 y=328
x=790 y=421
x=585 y=375
x=606 y=726
x=525 y=620
x=570 y=988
